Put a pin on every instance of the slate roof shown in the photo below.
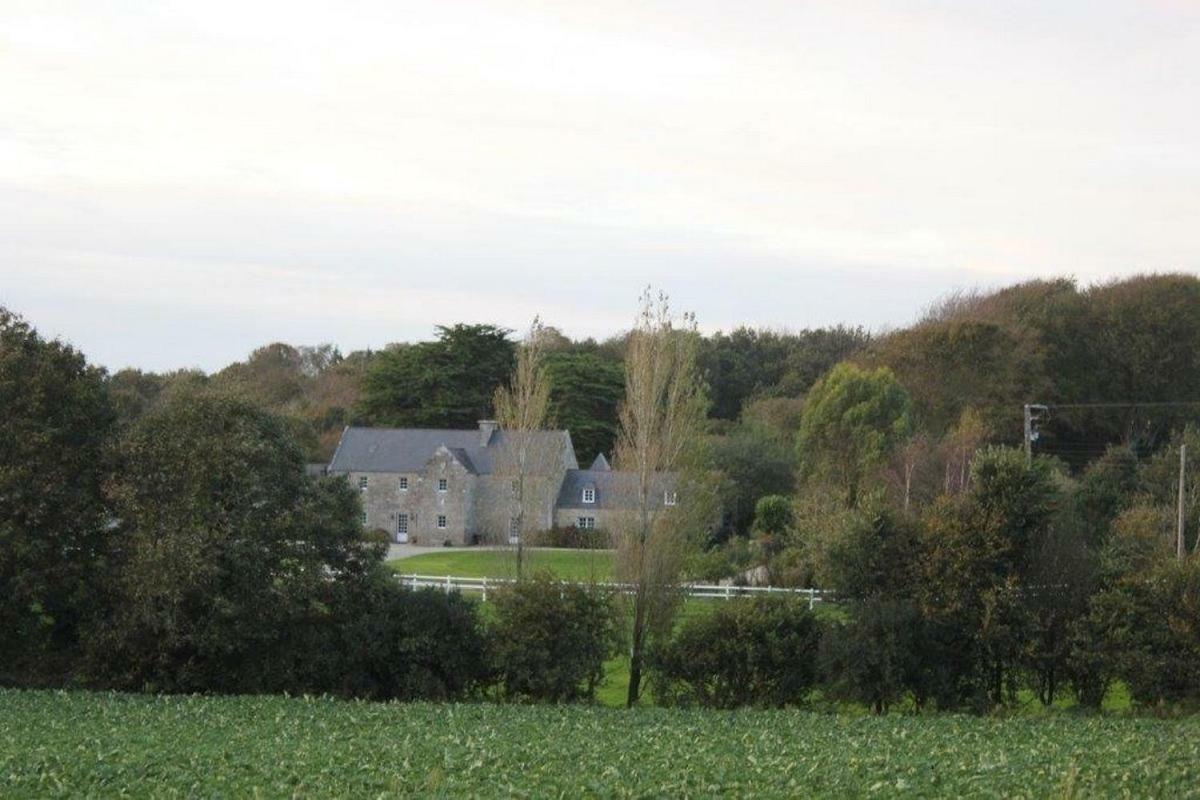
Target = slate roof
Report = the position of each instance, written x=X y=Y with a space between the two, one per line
x=614 y=490
x=409 y=449
x=601 y=463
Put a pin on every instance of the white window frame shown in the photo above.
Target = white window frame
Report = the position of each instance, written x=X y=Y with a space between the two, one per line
x=443 y=484
x=589 y=496
x=586 y=523
x=670 y=498
x=441 y=522
x=404 y=483
x=363 y=480
x=402 y=524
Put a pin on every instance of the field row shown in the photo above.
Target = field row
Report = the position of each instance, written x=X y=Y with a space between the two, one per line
x=70 y=744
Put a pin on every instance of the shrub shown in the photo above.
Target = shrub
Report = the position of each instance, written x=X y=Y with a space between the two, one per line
x=572 y=538
x=760 y=652
x=876 y=658
x=721 y=561
x=384 y=642
x=1151 y=630
x=551 y=639
x=377 y=536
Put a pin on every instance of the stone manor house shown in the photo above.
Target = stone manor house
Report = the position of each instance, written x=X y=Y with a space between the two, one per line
x=435 y=486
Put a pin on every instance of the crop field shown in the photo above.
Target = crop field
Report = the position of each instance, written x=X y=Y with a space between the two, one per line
x=572 y=565
x=72 y=744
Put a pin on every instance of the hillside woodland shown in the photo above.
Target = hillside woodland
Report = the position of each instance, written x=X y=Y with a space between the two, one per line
x=158 y=533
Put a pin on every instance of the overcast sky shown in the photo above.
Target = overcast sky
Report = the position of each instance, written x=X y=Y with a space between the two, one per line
x=181 y=182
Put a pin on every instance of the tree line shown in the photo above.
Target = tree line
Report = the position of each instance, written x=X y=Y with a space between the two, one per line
x=158 y=532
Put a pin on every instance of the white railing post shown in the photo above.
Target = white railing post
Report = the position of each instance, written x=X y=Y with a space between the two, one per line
x=812 y=594
x=485 y=590
x=447 y=584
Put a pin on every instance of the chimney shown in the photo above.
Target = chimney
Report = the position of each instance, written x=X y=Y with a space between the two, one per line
x=486 y=427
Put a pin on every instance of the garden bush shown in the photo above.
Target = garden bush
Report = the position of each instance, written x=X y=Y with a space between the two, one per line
x=551 y=639
x=748 y=652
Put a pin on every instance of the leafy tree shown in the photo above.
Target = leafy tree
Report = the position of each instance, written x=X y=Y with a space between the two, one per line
x=875 y=555
x=1151 y=631
x=661 y=421
x=446 y=383
x=54 y=427
x=379 y=641
x=551 y=639
x=759 y=652
x=746 y=363
x=877 y=657
x=585 y=390
x=1107 y=487
x=1059 y=583
x=975 y=558
x=948 y=366
x=852 y=421
x=755 y=462
x=133 y=392
x=227 y=549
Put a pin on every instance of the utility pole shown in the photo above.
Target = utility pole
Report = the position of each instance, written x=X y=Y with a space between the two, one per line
x=1033 y=412
x=1179 y=541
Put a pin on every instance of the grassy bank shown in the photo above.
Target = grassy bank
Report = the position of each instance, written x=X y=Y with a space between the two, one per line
x=70 y=744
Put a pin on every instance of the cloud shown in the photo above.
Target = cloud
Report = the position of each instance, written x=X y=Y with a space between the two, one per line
x=369 y=172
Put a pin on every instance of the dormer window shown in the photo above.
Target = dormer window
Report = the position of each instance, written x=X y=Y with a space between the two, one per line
x=589 y=495
x=443 y=484
x=669 y=498
x=404 y=483
x=362 y=483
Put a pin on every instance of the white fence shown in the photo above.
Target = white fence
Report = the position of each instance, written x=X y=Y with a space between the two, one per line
x=702 y=591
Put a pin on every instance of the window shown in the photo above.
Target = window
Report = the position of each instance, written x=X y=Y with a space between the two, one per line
x=589 y=495
x=514 y=530
x=404 y=483
x=586 y=523
x=441 y=522
x=402 y=524
x=362 y=483
x=669 y=498
x=443 y=484
x=364 y=519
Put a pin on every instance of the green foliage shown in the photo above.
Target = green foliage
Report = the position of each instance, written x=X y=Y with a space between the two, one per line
x=878 y=657
x=1107 y=487
x=226 y=549
x=281 y=747
x=728 y=559
x=951 y=365
x=1151 y=630
x=572 y=538
x=875 y=555
x=975 y=555
x=1019 y=497
x=54 y=425
x=773 y=515
x=746 y=362
x=755 y=461
x=382 y=642
x=760 y=651
x=446 y=383
x=551 y=640
x=852 y=421
x=585 y=390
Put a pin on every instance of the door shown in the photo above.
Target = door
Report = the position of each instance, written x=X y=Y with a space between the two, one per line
x=401 y=528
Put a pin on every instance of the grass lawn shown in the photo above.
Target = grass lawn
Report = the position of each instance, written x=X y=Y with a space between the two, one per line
x=575 y=565
x=59 y=744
